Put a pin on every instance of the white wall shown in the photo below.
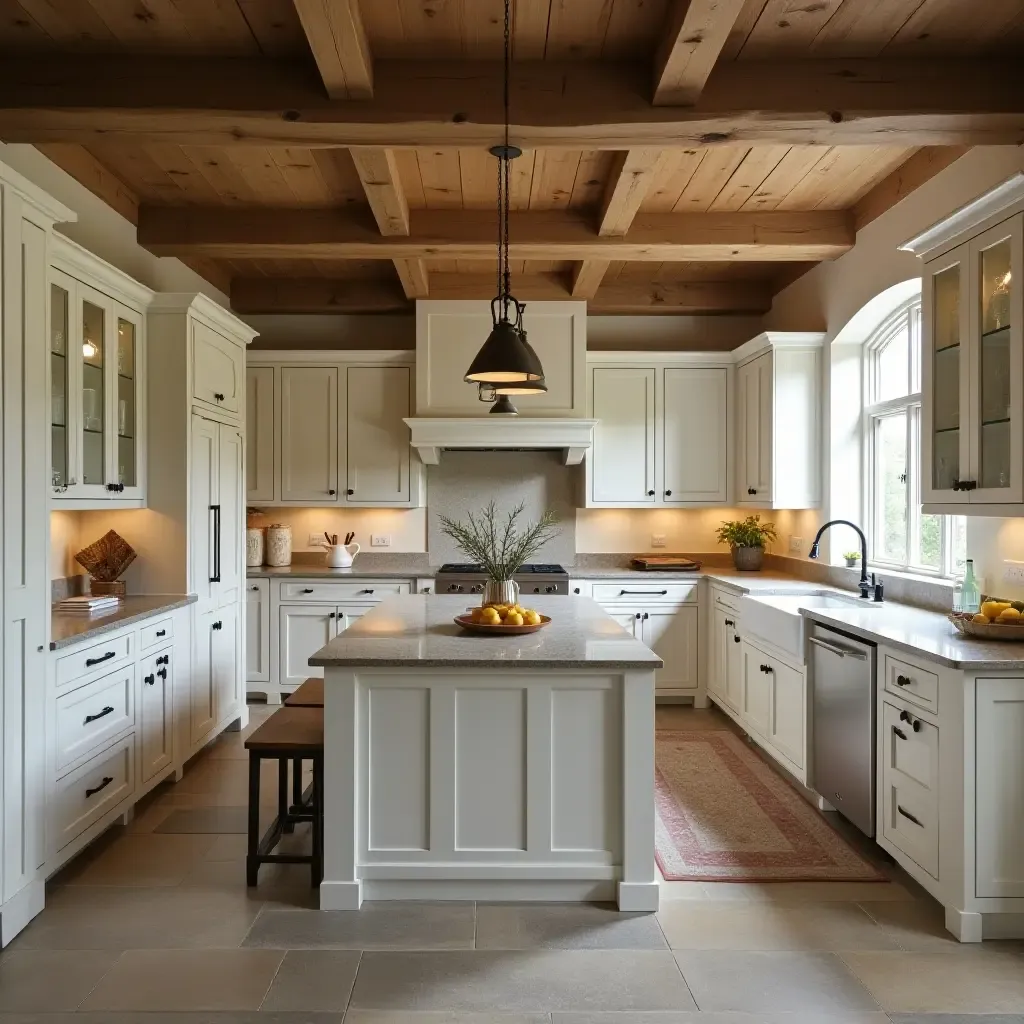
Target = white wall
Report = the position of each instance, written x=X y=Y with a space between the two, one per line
x=827 y=297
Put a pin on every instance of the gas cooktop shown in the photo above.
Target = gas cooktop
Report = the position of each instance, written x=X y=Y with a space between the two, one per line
x=533 y=578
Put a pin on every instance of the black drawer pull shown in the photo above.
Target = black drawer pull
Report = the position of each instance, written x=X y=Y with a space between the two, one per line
x=217 y=625
x=644 y=593
x=161 y=632
x=368 y=591
x=151 y=680
x=307 y=590
x=903 y=680
x=107 y=780
x=219 y=395
x=162 y=673
x=164 y=659
x=899 y=732
x=730 y=622
x=751 y=490
x=89 y=662
x=108 y=710
x=910 y=817
x=736 y=639
x=914 y=723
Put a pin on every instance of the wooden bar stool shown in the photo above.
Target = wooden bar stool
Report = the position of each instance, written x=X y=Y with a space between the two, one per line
x=291 y=734
x=309 y=694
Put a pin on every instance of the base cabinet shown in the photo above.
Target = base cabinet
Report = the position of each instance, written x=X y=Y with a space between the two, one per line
x=257 y=631
x=156 y=713
x=725 y=673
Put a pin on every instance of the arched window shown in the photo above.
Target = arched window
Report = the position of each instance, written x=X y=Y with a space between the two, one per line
x=902 y=538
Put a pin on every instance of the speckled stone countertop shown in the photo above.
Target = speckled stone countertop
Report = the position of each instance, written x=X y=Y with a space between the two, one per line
x=67 y=628
x=417 y=631
x=378 y=566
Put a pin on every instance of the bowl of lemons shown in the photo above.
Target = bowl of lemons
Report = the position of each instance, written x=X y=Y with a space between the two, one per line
x=996 y=620
x=502 y=619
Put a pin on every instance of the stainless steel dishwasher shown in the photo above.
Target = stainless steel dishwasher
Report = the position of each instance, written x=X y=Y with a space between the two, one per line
x=843 y=723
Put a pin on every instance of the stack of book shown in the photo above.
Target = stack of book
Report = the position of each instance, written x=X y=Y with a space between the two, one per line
x=89 y=604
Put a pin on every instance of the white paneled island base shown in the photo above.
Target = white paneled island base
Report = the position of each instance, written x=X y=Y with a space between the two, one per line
x=465 y=767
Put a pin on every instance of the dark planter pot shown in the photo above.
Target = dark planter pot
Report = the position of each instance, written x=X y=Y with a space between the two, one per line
x=852 y=563
x=748 y=559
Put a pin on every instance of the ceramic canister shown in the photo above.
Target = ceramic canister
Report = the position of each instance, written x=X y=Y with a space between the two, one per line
x=253 y=548
x=279 y=545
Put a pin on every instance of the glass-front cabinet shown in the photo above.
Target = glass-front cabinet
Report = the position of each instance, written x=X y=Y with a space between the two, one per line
x=96 y=395
x=973 y=368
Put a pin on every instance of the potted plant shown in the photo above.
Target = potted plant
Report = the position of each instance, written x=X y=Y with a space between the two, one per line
x=748 y=538
x=852 y=558
x=500 y=549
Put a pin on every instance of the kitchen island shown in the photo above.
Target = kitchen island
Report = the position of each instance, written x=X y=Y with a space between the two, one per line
x=467 y=767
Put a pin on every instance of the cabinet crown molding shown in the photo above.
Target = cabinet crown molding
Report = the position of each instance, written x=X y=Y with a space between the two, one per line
x=52 y=209
x=968 y=218
x=202 y=306
x=627 y=357
x=331 y=357
x=777 y=339
x=78 y=262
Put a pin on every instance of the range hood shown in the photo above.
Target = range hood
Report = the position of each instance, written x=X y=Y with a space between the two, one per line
x=430 y=435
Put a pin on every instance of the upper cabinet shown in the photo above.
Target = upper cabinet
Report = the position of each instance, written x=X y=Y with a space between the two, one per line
x=972 y=370
x=778 y=421
x=97 y=382
x=322 y=431
x=662 y=438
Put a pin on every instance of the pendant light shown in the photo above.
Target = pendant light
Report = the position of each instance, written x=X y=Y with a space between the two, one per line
x=506 y=361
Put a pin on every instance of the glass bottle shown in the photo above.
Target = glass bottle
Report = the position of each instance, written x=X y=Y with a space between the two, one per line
x=970 y=596
x=958 y=594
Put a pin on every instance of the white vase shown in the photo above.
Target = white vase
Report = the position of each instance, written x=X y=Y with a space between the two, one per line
x=253 y=548
x=500 y=592
x=339 y=556
x=279 y=545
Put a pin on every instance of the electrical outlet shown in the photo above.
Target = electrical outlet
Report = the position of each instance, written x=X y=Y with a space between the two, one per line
x=380 y=540
x=316 y=540
x=657 y=540
x=1013 y=572
x=796 y=544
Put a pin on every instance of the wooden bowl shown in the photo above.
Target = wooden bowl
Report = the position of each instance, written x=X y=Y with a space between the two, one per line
x=987 y=630
x=501 y=629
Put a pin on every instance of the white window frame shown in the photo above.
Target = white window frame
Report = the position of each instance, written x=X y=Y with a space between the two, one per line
x=875 y=412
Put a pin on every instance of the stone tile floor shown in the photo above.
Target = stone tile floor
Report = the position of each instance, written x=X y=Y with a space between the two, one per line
x=154 y=925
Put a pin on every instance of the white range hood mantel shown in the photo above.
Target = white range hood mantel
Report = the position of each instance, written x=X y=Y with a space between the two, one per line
x=432 y=434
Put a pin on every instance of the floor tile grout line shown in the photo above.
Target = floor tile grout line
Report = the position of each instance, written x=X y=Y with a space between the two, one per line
x=113 y=964
x=686 y=984
x=352 y=990
x=280 y=964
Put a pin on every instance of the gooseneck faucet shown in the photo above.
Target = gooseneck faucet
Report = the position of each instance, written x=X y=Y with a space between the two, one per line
x=865 y=586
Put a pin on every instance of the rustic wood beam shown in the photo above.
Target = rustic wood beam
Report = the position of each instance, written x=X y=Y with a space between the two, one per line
x=414 y=278
x=630 y=179
x=335 y=33
x=587 y=277
x=922 y=166
x=696 y=33
x=606 y=106
x=266 y=233
x=321 y=295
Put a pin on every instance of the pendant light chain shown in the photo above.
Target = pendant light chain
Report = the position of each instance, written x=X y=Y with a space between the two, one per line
x=504 y=177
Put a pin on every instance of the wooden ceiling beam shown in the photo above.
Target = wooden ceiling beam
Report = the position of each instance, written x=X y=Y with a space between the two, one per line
x=696 y=33
x=334 y=30
x=606 y=106
x=414 y=278
x=266 y=233
x=629 y=182
x=321 y=295
x=587 y=277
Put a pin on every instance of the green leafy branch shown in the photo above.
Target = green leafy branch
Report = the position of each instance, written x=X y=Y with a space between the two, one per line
x=746 y=533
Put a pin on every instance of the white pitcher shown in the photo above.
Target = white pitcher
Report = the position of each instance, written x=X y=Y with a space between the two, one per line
x=339 y=556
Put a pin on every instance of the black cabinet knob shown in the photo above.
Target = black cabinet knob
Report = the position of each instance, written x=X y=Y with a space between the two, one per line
x=151 y=680
x=351 y=490
x=576 y=590
x=218 y=625
x=902 y=680
x=638 y=615
x=650 y=494
x=219 y=396
x=668 y=494
x=332 y=491
x=735 y=639
x=751 y=490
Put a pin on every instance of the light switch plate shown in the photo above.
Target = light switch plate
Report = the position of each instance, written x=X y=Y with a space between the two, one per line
x=380 y=540
x=1013 y=572
x=796 y=544
x=657 y=540
x=316 y=540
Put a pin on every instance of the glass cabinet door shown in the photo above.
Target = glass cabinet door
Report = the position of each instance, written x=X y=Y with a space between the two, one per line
x=996 y=471
x=944 y=346
x=126 y=412
x=60 y=388
x=93 y=395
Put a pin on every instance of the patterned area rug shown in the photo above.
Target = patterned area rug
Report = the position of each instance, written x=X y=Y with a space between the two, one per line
x=724 y=815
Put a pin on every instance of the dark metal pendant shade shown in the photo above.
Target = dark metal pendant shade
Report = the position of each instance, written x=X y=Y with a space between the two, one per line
x=505 y=358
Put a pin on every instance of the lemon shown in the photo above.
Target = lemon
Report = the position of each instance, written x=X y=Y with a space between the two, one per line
x=514 y=619
x=531 y=618
x=993 y=609
x=1009 y=615
x=491 y=616
x=980 y=619
x=477 y=614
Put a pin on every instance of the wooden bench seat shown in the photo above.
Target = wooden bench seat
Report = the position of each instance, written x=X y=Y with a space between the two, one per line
x=309 y=694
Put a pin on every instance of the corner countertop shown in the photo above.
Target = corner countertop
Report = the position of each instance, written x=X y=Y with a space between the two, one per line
x=418 y=631
x=67 y=628
x=370 y=565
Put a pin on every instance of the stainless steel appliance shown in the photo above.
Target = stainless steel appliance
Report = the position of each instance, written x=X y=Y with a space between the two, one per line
x=457 y=578
x=843 y=723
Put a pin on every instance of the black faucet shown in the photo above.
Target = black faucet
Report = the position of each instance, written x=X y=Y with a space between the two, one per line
x=865 y=586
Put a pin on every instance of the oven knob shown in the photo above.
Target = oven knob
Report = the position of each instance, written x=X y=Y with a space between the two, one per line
x=550 y=590
x=477 y=588
x=454 y=588
x=536 y=590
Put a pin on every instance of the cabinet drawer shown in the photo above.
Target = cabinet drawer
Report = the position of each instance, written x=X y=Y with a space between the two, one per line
x=217 y=369
x=91 y=715
x=363 y=591
x=83 y=796
x=911 y=747
x=725 y=599
x=645 y=593
x=913 y=684
x=93 y=659
x=910 y=821
x=153 y=633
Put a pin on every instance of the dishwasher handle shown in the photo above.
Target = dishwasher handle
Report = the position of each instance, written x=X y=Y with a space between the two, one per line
x=843 y=652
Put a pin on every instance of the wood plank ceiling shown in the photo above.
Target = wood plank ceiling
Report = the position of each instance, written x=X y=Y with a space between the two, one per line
x=331 y=155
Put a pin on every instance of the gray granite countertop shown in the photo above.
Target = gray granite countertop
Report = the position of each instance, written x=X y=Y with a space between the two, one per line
x=67 y=628
x=378 y=566
x=417 y=631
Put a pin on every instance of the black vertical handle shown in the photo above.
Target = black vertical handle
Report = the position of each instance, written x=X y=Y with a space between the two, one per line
x=215 y=509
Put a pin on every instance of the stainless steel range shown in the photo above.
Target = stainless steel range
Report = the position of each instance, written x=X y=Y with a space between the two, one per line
x=458 y=578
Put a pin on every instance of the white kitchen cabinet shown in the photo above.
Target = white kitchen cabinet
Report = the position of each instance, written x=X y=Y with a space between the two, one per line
x=156 y=713
x=787 y=725
x=972 y=367
x=257 y=631
x=303 y=630
x=203 y=681
x=259 y=437
x=663 y=434
x=309 y=434
x=218 y=365
x=378 y=455
x=778 y=421
x=725 y=677
x=630 y=621
x=672 y=634
x=97 y=394
x=756 y=697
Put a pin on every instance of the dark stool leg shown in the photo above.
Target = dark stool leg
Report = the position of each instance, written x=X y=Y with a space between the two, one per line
x=296 y=785
x=317 y=865
x=252 y=864
x=287 y=825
